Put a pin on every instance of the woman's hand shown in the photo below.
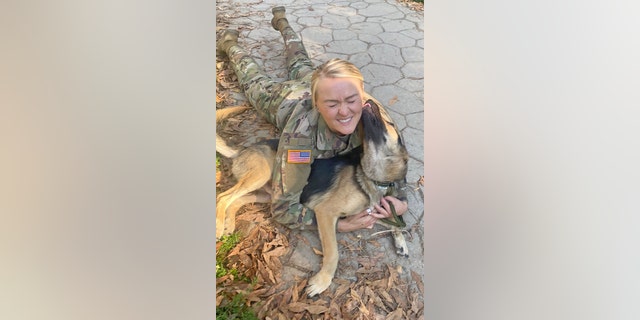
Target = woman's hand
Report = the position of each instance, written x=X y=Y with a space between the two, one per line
x=364 y=219
x=385 y=209
x=368 y=217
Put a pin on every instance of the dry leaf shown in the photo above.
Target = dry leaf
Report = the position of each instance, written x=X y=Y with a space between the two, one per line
x=378 y=316
x=368 y=293
x=393 y=277
x=418 y=281
x=354 y=295
x=395 y=315
x=222 y=279
x=333 y=312
x=367 y=262
x=341 y=290
x=364 y=310
x=297 y=307
x=388 y=299
x=314 y=309
x=378 y=302
x=275 y=252
x=416 y=304
x=295 y=294
x=400 y=297
x=393 y=100
x=316 y=251
x=219 y=299
x=381 y=283
x=286 y=295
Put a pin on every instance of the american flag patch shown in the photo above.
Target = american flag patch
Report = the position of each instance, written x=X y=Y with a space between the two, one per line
x=298 y=156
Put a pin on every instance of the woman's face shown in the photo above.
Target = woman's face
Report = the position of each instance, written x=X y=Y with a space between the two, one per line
x=339 y=101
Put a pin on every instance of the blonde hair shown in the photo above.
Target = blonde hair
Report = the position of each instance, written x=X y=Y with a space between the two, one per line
x=335 y=68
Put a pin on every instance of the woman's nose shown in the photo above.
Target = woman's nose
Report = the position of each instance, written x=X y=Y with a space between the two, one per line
x=343 y=109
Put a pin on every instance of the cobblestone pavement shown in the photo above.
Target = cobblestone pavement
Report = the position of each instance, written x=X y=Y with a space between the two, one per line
x=385 y=40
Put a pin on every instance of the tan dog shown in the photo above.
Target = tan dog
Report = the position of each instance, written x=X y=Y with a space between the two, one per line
x=252 y=168
x=337 y=187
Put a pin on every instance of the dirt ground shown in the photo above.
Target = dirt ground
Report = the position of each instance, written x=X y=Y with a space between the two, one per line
x=371 y=282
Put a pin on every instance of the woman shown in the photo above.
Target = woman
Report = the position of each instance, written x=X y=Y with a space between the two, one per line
x=317 y=112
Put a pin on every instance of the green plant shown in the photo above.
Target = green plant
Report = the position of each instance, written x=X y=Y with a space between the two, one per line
x=235 y=309
x=228 y=243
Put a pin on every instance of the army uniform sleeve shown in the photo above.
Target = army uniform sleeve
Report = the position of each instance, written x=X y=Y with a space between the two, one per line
x=291 y=171
x=288 y=181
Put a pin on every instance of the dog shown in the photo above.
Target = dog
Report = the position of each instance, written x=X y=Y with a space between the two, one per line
x=337 y=187
x=252 y=169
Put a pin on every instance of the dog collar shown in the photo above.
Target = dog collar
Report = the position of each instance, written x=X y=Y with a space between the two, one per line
x=383 y=186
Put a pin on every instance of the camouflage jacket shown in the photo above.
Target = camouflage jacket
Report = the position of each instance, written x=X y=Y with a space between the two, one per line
x=305 y=137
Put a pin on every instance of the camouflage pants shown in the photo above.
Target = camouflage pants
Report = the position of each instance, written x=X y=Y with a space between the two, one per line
x=274 y=100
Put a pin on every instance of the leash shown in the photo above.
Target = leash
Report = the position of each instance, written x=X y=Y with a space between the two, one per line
x=396 y=220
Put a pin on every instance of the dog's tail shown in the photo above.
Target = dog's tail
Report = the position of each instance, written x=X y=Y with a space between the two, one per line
x=221 y=145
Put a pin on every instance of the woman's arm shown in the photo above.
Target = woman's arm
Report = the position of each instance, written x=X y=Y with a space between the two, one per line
x=288 y=181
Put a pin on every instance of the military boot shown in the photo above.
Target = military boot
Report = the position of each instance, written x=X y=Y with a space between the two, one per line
x=279 y=22
x=228 y=38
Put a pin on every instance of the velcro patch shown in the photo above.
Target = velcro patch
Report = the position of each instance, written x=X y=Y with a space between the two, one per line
x=298 y=156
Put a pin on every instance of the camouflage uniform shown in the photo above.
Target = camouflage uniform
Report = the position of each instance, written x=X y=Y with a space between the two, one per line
x=287 y=105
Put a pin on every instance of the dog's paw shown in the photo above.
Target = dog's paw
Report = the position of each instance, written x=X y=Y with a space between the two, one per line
x=221 y=233
x=318 y=283
x=402 y=251
x=224 y=229
x=219 y=230
x=400 y=244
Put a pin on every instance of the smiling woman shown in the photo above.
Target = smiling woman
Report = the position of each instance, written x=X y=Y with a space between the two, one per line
x=317 y=112
x=341 y=103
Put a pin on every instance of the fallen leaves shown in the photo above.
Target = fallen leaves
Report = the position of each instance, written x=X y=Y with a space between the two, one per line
x=298 y=307
x=413 y=5
x=316 y=251
x=418 y=280
x=258 y=254
x=227 y=79
x=393 y=100
x=419 y=186
x=397 y=314
x=378 y=293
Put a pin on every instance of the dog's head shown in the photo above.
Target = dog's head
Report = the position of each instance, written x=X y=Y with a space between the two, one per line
x=385 y=155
